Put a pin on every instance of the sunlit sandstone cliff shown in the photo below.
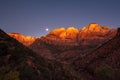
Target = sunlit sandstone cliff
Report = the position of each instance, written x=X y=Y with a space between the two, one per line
x=26 y=40
x=62 y=33
x=92 y=32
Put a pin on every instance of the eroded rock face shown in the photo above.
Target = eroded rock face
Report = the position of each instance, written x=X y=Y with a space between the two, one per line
x=26 y=40
x=95 y=34
x=62 y=33
x=70 y=33
x=94 y=30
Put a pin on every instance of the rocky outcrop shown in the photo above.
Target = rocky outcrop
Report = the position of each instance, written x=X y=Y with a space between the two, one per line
x=62 y=33
x=93 y=33
x=94 y=30
x=26 y=40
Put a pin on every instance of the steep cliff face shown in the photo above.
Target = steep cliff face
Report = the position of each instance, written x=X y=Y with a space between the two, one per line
x=26 y=40
x=92 y=34
x=70 y=33
x=94 y=30
x=95 y=34
x=62 y=33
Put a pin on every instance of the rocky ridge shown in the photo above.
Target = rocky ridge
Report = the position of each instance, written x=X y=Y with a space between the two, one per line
x=26 y=40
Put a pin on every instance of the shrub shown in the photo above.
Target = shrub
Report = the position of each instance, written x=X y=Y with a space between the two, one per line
x=107 y=73
x=28 y=73
x=7 y=74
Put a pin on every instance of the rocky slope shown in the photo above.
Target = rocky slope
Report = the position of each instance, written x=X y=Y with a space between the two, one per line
x=105 y=59
x=18 y=62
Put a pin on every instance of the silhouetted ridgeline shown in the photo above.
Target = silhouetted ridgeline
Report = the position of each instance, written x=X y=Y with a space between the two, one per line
x=118 y=32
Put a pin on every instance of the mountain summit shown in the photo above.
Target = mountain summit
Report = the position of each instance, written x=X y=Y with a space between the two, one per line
x=62 y=33
x=92 y=31
x=95 y=30
x=92 y=27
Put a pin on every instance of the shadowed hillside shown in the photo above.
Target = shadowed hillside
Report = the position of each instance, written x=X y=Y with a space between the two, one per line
x=105 y=57
x=18 y=62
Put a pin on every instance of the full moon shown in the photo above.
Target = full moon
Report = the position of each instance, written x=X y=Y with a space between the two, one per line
x=46 y=29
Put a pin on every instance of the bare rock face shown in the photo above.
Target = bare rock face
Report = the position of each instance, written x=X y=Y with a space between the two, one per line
x=94 y=30
x=57 y=32
x=62 y=33
x=26 y=40
x=70 y=33
x=95 y=34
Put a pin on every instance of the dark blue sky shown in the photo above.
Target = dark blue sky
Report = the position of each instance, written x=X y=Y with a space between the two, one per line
x=31 y=17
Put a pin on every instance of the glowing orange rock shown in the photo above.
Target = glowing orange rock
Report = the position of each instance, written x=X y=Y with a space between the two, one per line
x=57 y=31
x=94 y=27
x=69 y=33
x=92 y=30
x=26 y=40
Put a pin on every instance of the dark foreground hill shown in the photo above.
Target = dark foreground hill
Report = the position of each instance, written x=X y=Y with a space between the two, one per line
x=103 y=63
x=17 y=62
